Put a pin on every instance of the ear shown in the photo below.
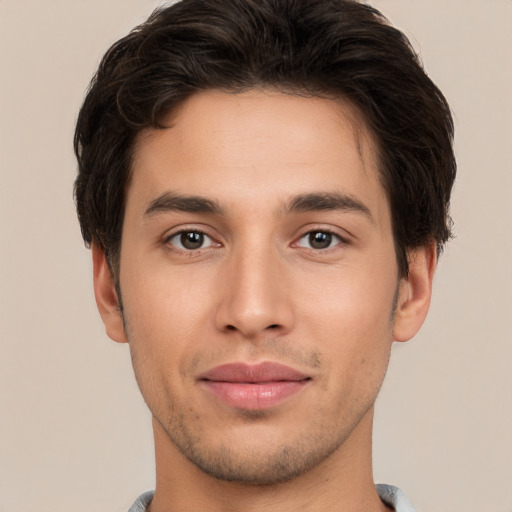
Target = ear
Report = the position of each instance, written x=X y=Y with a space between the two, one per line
x=106 y=296
x=415 y=292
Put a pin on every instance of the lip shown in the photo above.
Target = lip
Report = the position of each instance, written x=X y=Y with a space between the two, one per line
x=253 y=386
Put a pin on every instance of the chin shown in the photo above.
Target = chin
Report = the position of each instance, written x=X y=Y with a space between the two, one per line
x=259 y=459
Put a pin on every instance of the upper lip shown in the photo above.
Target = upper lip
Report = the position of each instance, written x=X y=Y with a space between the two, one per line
x=266 y=371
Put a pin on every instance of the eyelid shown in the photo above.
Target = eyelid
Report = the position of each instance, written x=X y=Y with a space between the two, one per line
x=176 y=232
x=343 y=240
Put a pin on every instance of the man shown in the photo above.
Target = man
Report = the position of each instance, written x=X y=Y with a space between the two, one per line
x=265 y=187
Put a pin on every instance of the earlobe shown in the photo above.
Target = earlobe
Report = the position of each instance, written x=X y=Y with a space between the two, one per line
x=415 y=293
x=106 y=296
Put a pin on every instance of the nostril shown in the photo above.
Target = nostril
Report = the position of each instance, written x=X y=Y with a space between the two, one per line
x=273 y=326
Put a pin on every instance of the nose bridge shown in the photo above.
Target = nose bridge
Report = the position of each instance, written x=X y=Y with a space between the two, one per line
x=255 y=298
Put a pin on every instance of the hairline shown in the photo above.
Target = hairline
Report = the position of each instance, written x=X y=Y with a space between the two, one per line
x=362 y=132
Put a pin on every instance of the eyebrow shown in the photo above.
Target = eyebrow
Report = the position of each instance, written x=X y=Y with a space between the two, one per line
x=323 y=201
x=326 y=201
x=169 y=202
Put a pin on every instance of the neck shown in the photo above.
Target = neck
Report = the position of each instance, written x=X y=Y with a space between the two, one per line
x=343 y=481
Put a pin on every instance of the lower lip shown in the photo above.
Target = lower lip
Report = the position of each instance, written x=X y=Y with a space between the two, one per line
x=254 y=396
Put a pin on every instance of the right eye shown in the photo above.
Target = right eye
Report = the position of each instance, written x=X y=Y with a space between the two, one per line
x=190 y=240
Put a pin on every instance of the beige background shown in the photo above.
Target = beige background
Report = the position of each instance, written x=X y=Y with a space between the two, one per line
x=74 y=433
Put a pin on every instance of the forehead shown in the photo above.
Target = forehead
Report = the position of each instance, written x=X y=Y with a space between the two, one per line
x=255 y=144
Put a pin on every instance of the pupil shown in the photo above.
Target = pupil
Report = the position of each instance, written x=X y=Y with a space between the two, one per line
x=320 y=240
x=192 y=240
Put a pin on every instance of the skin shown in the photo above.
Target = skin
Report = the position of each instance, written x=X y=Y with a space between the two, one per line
x=256 y=289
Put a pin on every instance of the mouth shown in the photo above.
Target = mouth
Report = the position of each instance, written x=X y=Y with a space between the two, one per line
x=254 y=386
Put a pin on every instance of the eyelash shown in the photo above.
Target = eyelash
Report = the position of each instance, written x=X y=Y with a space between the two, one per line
x=179 y=234
x=331 y=236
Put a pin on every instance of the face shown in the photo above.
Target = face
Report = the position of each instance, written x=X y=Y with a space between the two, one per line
x=258 y=278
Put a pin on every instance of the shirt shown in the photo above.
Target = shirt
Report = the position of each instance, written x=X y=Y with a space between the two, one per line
x=389 y=494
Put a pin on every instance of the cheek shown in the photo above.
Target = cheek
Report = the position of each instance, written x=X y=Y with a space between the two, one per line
x=162 y=317
x=160 y=326
x=164 y=299
x=352 y=320
x=354 y=301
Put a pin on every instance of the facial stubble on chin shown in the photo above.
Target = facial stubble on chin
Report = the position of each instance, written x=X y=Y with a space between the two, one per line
x=252 y=468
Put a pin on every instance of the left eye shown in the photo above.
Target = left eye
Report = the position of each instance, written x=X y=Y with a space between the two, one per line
x=190 y=240
x=319 y=240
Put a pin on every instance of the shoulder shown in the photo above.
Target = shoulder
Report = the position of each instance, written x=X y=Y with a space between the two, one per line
x=395 y=497
x=142 y=502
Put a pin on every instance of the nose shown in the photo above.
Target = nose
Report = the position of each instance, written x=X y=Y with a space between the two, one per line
x=255 y=298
